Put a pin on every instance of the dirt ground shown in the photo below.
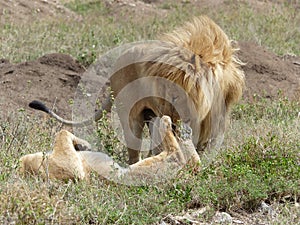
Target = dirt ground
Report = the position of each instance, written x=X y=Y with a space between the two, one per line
x=53 y=79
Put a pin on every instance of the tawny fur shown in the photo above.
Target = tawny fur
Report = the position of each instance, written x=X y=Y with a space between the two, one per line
x=62 y=163
x=199 y=58
x=65 y=163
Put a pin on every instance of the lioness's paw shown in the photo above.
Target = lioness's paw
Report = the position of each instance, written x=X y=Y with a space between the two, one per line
x=166 y=123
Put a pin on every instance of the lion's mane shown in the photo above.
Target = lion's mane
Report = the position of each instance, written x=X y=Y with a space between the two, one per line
x=200 y=49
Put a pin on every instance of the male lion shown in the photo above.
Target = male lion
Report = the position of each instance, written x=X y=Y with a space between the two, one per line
x=65 y=163
x=191 y=75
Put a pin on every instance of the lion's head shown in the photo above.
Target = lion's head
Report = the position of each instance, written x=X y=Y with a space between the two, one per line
x=200 y=58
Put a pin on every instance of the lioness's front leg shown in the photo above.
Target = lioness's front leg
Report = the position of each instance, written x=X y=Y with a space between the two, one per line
x=169 y=146
x=164 y=165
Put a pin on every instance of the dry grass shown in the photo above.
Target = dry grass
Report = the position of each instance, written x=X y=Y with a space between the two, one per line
x=258 y=162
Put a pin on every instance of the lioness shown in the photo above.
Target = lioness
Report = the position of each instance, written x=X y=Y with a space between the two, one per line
x=65 y=163
x=191 y=75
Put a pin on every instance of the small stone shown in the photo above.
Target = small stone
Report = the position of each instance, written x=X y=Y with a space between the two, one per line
x=266 y=209
x=222 y=217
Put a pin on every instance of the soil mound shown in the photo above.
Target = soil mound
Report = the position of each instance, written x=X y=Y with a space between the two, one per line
x=53 y=79
x=269 y=75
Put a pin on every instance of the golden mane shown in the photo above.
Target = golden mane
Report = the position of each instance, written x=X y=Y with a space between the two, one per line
x=200 y=58
x=204 y=38
x=191 y=51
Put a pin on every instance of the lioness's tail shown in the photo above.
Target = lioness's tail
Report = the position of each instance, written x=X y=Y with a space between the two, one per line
x=98 y=114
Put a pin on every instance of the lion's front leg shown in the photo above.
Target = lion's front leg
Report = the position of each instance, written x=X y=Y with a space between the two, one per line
x=156 y=140
x=133 y=137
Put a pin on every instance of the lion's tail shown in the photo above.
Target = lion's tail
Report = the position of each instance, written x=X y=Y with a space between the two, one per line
x=98 y=114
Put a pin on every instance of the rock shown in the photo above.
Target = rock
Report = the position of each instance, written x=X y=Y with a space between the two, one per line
x=222 y=217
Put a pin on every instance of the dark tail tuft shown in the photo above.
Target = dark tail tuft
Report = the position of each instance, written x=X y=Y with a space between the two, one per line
x=39 y=106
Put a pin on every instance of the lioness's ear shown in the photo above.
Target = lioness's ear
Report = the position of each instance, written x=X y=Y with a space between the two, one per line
x=81 y=147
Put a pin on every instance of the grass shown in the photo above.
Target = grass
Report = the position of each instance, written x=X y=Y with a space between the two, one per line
x=259 y=160
x=99 y=31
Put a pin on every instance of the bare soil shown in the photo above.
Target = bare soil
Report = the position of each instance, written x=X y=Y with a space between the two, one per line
x=269 y=75
x=53 y=79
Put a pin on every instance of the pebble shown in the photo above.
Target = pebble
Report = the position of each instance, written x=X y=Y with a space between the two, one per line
x=222 y=217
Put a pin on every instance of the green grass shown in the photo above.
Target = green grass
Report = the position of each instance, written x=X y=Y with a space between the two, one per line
x=98 y=31
x=259 y=160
